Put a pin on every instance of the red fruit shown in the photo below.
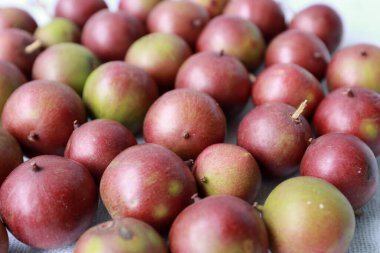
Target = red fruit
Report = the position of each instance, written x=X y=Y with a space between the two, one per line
x=96 y=143
x=40 y=115
x=290 y=84
x=353 y=111
x=11 y=17
x=147 y=182
x=139 y=9
x=185 y=121
x=321 y=20
x=266 y=14
x=346 y=162
x=218 y=224
x=48 y=201
x=10 y=155
x=4 y=240
x=301 y=48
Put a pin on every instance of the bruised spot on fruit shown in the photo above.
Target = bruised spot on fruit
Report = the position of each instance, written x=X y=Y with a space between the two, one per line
x=33 y=136
x=152 y=179
x=310 y=97
x=160 y=211
x=248 y=246
x=125 y=233
x=175 y=188
x=364 y=53
x=95 y=244
x=369 y=129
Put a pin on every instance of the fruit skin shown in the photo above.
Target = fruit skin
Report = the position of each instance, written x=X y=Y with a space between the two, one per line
x=12 y=17
x=147 y=182
x=221 y=76
x=266 y=14
x=185 y=121
x=218 y=224
x=120 y=91
x=12 y=49
x=353 y=111
x=321 y=20
x=4 y=240
x=40 y=115
x=160 y=55
x=274 y=138
x=301 y=48
x=234 y=36
x=121 y=236
x=67 y=63
x=227 y=169
x=10 y=154
x=140 y=9
x=346 y=162
x=183 y=18
x=355 y=66
x=58 y=30
x=10 y=79
x=48 y=201
x=290 y=84
x=214 y=7
x=110 y=34
x=78 y=12
x=96 y=143
x=306 y=214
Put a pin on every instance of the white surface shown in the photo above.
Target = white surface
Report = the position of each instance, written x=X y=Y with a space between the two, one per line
x=361 y=20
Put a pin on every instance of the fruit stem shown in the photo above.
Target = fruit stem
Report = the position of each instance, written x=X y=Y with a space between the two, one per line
x=295 y=116
x=31 y=48
x=258 y=207
x=252 y=77
x=35 y=167
x=195 y=197
x=76 y=124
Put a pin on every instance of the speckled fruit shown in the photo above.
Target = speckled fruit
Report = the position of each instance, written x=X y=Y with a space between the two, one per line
x=58 y=30
x=353 y=111
x=4 y=240
x=96 y=143
x=126 y=235
x=301 y=48
x=321 y=20
x=120 y=91
x=227 y=169
x=214 y=7
x=266 y=14
x=78 y=12
x=185 y=121
x=221 y=76
x=12 y=17
x=290 y=84
x=306 y=214
x=10 y=79
x=68 y=63
x=160 y=55
x=40 y=115
x=147 y=182
x=277 y=137
x=346 y=162
x=13 y=44
x=355 y=66
x=48 y=201
x=183 y=18
x=218 y=224
x=10 y=154
x=110 y=34
x=234 y=36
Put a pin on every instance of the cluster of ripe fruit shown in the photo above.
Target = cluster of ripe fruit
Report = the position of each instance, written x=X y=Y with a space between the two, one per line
x=179 y=73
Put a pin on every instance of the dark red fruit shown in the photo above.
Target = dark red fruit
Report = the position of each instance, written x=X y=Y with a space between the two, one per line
x=185 y=121
x=346 y=162
x=4 y=240
x=353 y=111
x=147 y=182
x=321 y=20
x=10 y=155
x=290 y=84
x=301 y=48
x=277 y=136
x=266 y=14
x=96 y=143
x=40 y=115
x=12 y=17
x=218 y=224
x=48 y=201
x=140 y=9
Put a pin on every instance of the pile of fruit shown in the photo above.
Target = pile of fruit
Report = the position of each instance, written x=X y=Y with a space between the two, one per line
x=132 y=108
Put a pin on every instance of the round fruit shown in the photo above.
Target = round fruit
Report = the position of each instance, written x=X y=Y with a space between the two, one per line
x=140 y=9
x=214 y=7
x=218 y=224
x=147 y=182
x=306 y=214
x=124 y=235
x=13 y=17
x=10 y=154
x=185 y=121
x=48 y=201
